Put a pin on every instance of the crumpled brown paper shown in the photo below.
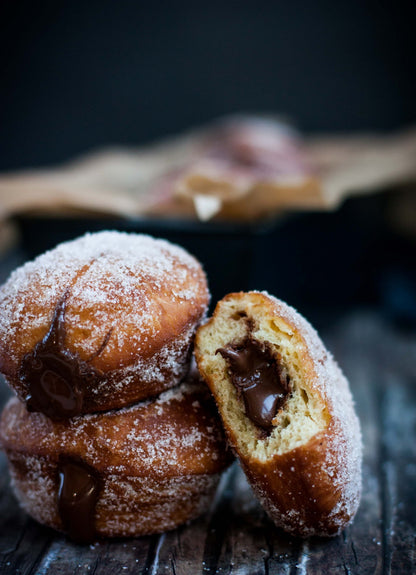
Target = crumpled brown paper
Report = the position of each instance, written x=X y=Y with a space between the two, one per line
x=242 y=168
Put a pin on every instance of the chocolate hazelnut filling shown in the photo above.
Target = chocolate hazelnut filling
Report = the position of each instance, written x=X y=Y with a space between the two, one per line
x=54 y=376
x=79 y=488
x=259 y=377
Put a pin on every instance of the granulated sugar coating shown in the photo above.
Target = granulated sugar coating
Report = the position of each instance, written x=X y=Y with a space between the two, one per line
x=306 y=470
x=130 y=306
x=158 y=461
x=341 y=460
x=177 y=433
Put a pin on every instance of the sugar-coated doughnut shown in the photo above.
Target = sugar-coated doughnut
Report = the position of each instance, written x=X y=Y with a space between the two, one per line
x=287 y=410
x=134 y=471
x=100 y=322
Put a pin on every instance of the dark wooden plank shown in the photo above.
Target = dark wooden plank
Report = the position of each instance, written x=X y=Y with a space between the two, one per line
x=398 y=473
x=109 y=557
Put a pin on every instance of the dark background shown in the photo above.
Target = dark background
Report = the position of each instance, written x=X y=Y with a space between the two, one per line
x=80 y=74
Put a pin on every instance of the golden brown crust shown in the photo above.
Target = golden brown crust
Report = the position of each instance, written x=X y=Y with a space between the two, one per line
x=309 y=486
x=132 y=305
x=158 y=462
x=298 y=492
x=128 y=507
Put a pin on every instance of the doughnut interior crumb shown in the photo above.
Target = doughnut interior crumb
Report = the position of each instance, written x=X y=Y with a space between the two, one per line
x=302 y=415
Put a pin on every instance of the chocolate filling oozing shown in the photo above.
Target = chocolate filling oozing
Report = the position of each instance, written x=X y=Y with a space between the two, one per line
x=54 y=376
x=259 y=378
x=79 y=488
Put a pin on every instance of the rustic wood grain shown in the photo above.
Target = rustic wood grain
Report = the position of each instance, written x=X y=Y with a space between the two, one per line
x=236 y=537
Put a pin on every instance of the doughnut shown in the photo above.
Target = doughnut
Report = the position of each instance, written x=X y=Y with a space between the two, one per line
x=134 y=471
x=287 y=411
x=100 y=322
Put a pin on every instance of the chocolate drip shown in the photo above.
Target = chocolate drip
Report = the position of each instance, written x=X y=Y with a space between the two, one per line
x=259 y=378
x=79 y=488
x=54 y=376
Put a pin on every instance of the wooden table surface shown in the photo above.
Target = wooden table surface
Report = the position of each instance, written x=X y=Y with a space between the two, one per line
x=236 y=537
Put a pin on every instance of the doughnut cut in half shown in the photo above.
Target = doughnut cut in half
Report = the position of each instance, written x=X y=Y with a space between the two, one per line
x=287 y=410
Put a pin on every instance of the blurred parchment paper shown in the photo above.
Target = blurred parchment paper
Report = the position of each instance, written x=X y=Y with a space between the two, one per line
x=241 y=168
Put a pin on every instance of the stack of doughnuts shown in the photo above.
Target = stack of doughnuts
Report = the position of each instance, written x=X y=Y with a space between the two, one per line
x=112 y=435
x=109 y=433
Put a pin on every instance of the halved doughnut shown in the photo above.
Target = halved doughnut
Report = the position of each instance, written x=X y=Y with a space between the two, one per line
x=287 y=410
